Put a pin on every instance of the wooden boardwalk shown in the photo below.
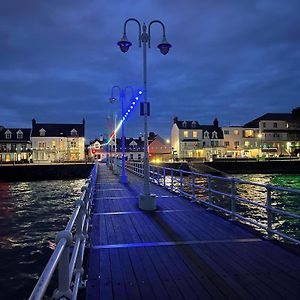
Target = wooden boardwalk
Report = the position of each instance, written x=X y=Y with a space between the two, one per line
x=180 y=251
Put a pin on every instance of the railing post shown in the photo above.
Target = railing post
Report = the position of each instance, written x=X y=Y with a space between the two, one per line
x=164 y=174
x=180 y=191
x=269 y=212
x=209 y=191
x=193 y=187
x=232 y=199
x=63 y=289
x=172 y=178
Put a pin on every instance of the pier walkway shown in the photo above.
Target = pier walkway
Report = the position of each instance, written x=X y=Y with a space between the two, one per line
x=180 y=251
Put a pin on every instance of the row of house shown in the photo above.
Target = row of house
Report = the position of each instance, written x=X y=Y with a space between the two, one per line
x=43 y=143
x=272 y=134
x=159 y=149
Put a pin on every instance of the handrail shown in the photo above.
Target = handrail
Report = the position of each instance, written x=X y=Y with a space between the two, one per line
x=177 y=184
x=69 y=268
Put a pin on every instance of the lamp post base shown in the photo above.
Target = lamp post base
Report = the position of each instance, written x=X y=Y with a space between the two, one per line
x=147 y=202
x=123 y=179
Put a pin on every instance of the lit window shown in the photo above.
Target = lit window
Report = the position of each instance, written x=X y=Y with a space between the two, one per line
x=247 y=143
x=226 y=132
x=236 y=132
x=186 y=134
x=194 y=134
x=53 y=144
x=248 y=133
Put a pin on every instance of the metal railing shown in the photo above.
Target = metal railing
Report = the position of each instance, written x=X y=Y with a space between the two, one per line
x=69 y=263
x=214 y=191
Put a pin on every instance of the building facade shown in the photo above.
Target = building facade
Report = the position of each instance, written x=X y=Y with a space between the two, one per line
x=190 y=140
x=57 y=142
x=15 y=145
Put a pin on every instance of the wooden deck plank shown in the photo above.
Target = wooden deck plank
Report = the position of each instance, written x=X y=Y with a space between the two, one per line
x=219 y=259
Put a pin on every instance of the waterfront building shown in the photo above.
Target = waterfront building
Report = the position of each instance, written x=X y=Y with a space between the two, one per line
x=159 y=150
x=278 y=134
x=191 y=140
x=15 y=145
x=57 y=142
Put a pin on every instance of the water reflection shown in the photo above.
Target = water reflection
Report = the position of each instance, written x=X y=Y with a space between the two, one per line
x=31 y=214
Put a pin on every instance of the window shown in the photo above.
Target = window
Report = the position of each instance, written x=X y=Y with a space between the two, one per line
x=248 y=133
x=236 y=132
x=275 y=124
x=206 y=134
x=264 y=124
x=139 y=156
x=247 y=143
x=236 y=143
x=195 y=134
x=42 y=145
x=73 y=132
x=226 y=144
x=42 y=132
x=186 y=134
x=19 y=135
x=53 y=144
x=214 y=135
x=131 y=155
x=193 y=124
x=7 y=134
x=226 y=132
x=184 y=124
x=214 y=143
x=73 y=144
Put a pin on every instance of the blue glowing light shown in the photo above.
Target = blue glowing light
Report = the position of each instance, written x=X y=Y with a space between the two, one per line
x=133 y=103
x=136 y=98
x=140 y=92
x=131 y=107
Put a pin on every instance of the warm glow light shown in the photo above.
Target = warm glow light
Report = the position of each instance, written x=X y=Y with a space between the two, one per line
x=168 y=141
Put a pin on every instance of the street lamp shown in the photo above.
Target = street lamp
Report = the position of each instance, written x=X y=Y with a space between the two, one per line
x=147 y=201
x=122 y=96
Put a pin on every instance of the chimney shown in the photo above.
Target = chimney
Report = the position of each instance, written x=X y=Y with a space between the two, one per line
x=216 y=123
x=175 y=120
x=33 y=122
x=101 y=139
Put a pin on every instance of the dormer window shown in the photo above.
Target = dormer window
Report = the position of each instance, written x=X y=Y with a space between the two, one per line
x=193 y=124
x=73 y=132
x=8 y=134
x=214 y=135
x=19 y=135
x=133 y=144
x=42 y=132
x=206 y=134
x=184 y=124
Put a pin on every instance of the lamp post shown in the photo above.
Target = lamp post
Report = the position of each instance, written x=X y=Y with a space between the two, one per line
x=107 y=145
x=112 y=99
x=147 y=201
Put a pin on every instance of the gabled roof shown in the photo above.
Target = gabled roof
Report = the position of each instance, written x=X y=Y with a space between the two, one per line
x=269 y=117
x=187 y=124
x=57 y=130
x=26 y=135
x=210 y=129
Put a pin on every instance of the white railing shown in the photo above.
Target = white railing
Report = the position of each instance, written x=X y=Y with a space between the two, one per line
x=229 y=195
x=70 y=263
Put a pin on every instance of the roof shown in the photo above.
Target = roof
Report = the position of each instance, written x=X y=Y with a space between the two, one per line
x=187 y=124
x=269 y=117
x=211 y=128
x=57 y=130
x=26 y=135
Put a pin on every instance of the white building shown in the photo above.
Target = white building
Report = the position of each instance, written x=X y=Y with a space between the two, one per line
x=57 y=142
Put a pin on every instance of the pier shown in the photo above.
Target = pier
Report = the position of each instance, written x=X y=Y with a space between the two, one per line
x=180 y=251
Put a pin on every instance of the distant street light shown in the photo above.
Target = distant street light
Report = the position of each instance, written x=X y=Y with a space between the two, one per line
x=122 y=97
x=147 y=201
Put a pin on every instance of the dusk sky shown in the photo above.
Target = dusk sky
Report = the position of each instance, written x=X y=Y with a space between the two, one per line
x=234 y=60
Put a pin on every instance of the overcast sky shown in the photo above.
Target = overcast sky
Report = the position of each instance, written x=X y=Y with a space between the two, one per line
x=234 y=60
